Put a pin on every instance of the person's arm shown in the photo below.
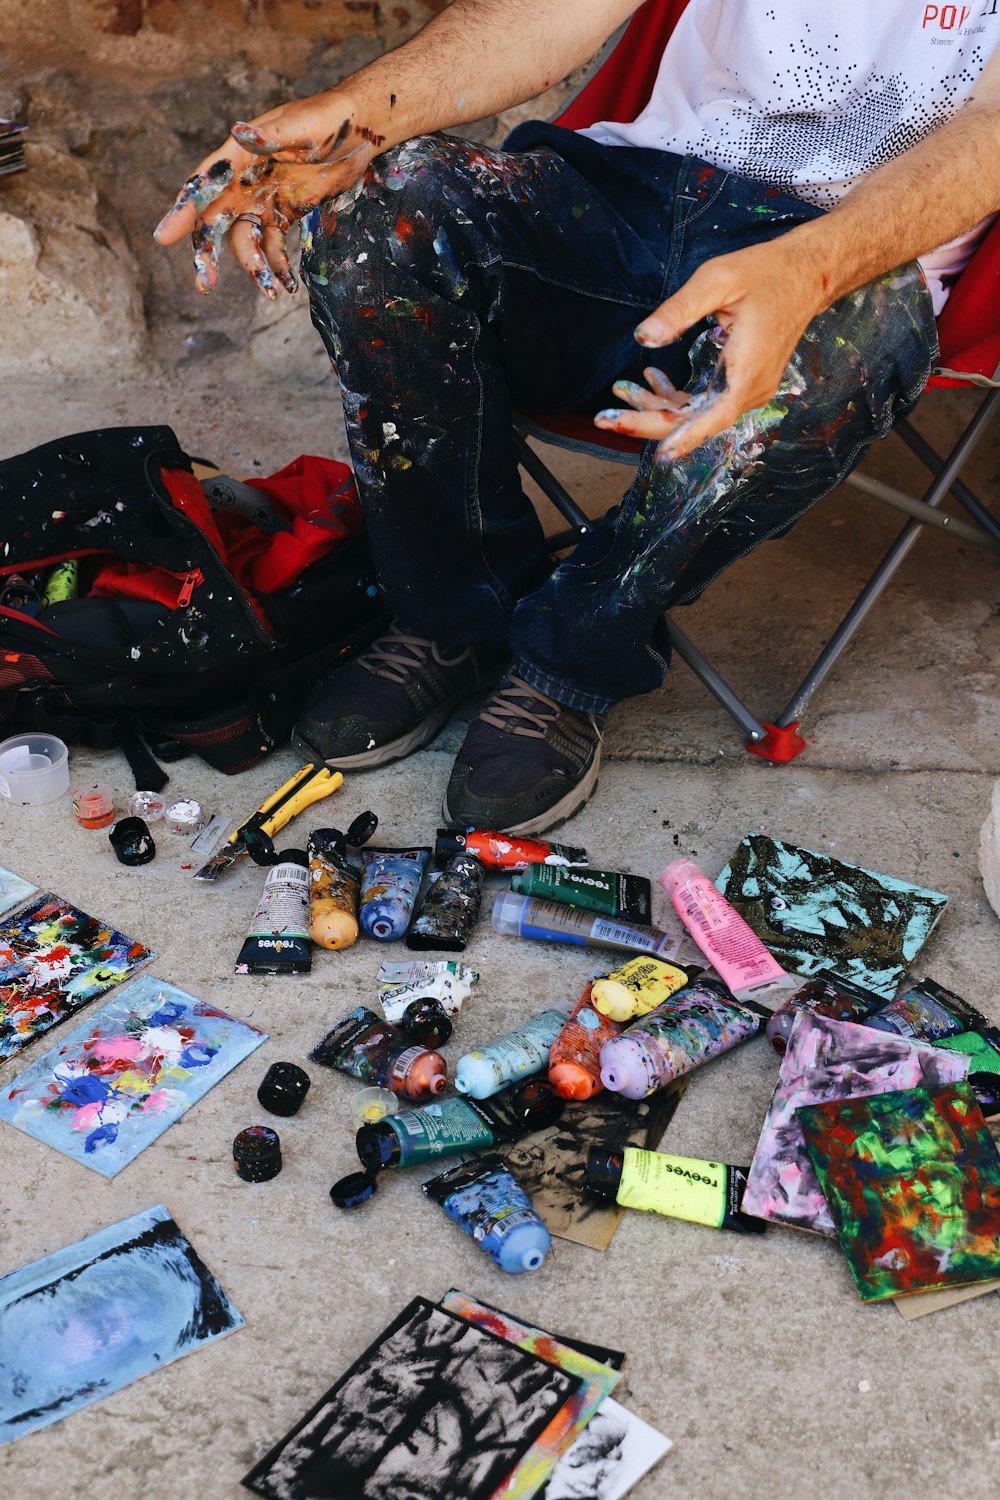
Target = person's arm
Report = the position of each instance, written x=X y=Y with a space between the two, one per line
x=474 y=59
x=765 y=296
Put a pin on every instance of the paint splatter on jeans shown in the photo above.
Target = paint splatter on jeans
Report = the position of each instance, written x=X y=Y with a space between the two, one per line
x=455 y=284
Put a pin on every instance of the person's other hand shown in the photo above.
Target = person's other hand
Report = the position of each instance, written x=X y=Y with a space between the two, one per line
x=763 y=298
x=266 y=175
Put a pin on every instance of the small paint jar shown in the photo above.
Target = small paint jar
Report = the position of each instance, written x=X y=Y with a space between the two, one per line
x=148 y=805
x=283 y=1088
x=371 y=1105
x=93 y=806
x=185 y=817
x=257 y=1154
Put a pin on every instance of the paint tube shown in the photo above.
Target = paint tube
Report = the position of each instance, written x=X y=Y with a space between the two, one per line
x=682 y=1187
x=637 y=987
x=731 y=946
x=277 y=941
x=451 y=1127
x=512 y=1057
x=333 y=891
x=575 y=1055
x=450 y=907
x=390 y=880
x=628 y=898
x=504 y=851
x=833 y=998
x=368 y=1048
x=696 y=1024
x=447 y=981
x=550 y=922
x=928 y=1012
x=487 y=1201
x=62 y=583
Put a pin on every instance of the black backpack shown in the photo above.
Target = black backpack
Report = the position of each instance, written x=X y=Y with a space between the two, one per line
x=211 y=667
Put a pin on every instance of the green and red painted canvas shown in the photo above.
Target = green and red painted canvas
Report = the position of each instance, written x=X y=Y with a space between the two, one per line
x=912 y=1180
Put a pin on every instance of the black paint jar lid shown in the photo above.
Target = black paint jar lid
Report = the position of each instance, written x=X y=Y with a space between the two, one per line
x=257 y=1154
x=132 y=842
x=353 y=1190
x=283 y=1088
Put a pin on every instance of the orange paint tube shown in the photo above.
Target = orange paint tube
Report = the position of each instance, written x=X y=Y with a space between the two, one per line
x=575 y=1055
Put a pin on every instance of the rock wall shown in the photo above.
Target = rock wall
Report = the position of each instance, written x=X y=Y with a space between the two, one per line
x=123 y=98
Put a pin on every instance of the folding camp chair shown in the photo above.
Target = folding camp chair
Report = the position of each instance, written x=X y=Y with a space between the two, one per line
x=969 y=335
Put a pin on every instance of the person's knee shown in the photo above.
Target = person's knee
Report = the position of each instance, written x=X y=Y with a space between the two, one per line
x=403 y=189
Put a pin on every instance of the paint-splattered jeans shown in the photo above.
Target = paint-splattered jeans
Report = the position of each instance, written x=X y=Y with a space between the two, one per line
x=455 y=284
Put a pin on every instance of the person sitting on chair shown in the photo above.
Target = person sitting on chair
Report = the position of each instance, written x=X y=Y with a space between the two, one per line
x=752 y=266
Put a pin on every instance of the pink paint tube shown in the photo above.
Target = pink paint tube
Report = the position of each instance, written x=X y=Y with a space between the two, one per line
x=733 y=949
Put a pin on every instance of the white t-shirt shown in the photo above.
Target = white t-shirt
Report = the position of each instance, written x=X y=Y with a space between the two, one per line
x=808 y=97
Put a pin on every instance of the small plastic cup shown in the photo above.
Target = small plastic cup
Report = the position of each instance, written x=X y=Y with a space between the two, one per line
x=371 y=1105
x=94 y=806
x=187 y=816
x=34 y=768
x=149 y=806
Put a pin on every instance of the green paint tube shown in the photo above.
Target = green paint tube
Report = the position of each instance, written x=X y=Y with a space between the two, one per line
x=681 y=1187
x=627 y=897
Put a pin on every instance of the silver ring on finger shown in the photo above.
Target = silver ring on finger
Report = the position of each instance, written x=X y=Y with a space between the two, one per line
x=254 y=219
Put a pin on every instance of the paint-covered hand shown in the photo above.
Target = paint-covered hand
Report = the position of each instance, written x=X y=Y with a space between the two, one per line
x=762 y=299
x=265 y=176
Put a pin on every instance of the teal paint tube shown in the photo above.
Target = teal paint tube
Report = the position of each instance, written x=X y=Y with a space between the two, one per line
x=512 y=1057
x=452 y=1127
x=625 y=897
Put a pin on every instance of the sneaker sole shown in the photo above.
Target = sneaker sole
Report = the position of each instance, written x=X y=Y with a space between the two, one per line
x=427 y=730
x=560 y=812
x=421 y=735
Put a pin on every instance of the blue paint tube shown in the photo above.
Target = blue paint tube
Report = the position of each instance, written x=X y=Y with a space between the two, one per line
x=390 y=880
x=485 y=1198
x=512 y=1057
x=552 y=922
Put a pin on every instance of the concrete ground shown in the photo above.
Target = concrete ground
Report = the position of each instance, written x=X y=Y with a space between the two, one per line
x=754 y=1355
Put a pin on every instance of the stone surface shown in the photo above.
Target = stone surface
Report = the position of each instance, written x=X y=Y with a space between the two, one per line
x=989 y=851
x=69 y=295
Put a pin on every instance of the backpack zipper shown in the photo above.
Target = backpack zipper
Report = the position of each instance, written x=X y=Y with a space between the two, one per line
x=188 y=586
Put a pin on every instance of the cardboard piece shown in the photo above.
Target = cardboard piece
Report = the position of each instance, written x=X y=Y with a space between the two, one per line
x=608 y=1459
x=816 y=913
x=435 y=1406
x=92 y=1318
x=827 y=1059
x=597 y=1382
x=54 y=959
x=913 y=1183
x=117 y=1081
x=550 y=1165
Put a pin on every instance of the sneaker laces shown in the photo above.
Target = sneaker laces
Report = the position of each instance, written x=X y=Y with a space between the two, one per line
x=397 y=654
x=519 y=708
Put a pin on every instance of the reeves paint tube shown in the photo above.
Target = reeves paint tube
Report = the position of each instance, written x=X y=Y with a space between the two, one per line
x=371 y=1049
x=626 y=897
x=637 y=987
x=390 y=880
x=450 y=908
x=516 y=1055
x=486 y=1200
x=451 y=1127
x=551 y=922
x=277 y=941
x=696 y=1024
x=575 y=1055
x=682 y=1187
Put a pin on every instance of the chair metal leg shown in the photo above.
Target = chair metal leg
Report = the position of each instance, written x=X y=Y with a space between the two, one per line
x=717 y=686
x=921 y=447
x=879 y=580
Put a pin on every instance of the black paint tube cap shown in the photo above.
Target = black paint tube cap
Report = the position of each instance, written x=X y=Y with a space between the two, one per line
x=353 y=1190
x=425 y=1023
x=257 y=1154
x=377 y=1147
x=283 y=1088
x=132 y=842
x=446 y=843
x=604 y=1171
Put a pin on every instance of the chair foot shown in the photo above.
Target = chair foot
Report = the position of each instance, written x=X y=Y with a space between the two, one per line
x=781 y=743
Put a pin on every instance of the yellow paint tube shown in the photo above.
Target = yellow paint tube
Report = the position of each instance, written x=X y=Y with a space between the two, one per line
x=636 y=988
x=681 y=1187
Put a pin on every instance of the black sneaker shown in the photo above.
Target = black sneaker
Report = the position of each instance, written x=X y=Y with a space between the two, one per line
x=392 y=699
x=527 y=763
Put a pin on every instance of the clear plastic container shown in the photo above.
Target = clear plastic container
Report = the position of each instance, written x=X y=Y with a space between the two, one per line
x=94 y=805
x=34 y=768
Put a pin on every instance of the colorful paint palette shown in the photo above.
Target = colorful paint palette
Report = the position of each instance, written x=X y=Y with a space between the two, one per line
x=53 y=960
x=117 y=1081
x=817 y=913
x=913 y=1184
